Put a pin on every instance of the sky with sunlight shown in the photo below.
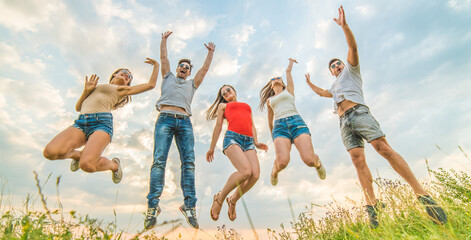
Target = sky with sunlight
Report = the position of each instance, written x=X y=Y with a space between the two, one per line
x=416 y=68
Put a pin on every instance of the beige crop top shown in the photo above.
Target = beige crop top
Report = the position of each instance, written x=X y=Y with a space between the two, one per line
x=283 y=105
x=102 y=99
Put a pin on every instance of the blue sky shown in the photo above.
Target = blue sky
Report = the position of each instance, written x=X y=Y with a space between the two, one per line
x=414 y=56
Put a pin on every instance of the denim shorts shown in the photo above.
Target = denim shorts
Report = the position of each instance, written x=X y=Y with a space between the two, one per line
x=289 y=127
x=88 y=123
x=357 y=124
x=243 y=141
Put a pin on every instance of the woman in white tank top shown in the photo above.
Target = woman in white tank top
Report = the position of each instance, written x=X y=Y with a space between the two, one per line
x=94 y=126
x=286 y=126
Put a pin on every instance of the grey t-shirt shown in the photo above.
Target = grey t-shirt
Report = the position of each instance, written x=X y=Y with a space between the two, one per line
x=348 y=86
x=176 y=92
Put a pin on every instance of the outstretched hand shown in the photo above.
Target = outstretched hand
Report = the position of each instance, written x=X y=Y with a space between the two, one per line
x=166 y=34
x=308 y=78
x=341 y=20
x=90 y=84
x=210 y=155
x=210 y=46
x=152 y=62
x=261 y=146
x=292 y=60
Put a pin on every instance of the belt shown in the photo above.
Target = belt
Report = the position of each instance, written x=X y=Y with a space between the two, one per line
x=174 y=115
x=351 y=110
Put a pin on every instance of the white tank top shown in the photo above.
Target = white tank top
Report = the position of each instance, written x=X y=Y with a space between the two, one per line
x=283 y=105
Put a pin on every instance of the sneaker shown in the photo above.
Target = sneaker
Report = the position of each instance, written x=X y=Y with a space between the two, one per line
x=151 y=217
x=434 y=210
x=373 y=213
x=74 y=165
x=321 y=171
x=117 y=175
x=190 y=215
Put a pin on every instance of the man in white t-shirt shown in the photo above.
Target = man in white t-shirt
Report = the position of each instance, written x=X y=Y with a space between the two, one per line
x=357 y=123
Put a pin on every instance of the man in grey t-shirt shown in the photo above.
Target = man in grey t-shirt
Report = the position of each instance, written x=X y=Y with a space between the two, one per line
x=174 y=121
x=357 y=123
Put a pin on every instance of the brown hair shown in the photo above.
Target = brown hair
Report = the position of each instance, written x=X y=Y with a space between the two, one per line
x=126 y=99
x=266 y=93
x=332 y=61
x=187 y=61
x=211 y=113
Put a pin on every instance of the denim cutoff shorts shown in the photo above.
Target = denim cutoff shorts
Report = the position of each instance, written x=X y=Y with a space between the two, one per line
x=357 y=124
x=88 y=123
x=243 y=141
x=289 y=127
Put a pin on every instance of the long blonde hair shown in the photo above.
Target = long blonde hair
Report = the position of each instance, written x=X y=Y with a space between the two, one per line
x=266 y=93
x=212 y=111
x=124 y=100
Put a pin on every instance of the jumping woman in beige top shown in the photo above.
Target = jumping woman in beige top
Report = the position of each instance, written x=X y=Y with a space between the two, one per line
x=94 y=126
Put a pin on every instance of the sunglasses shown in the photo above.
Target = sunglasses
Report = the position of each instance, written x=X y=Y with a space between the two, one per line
x=275 y=78
x=183 y=66
x=224 y=92
x=128 y=73
x=335 y=64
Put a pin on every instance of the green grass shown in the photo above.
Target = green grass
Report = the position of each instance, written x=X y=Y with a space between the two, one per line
x=403 y=218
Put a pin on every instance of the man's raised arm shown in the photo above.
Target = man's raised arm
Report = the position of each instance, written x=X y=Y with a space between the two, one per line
x=352 y=57
x=207 y=62
x=163 y=54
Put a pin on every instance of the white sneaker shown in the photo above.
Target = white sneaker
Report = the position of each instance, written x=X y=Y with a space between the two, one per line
x=74 y=165
x=117 y=175
x=321 y=171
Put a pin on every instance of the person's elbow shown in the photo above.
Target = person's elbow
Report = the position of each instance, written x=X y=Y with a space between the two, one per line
x=151 y=85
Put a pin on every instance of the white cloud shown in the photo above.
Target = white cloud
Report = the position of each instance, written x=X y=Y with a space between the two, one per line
x=241 y=36
x=9 y=56
x=27 y=15
x=366 y=10
x=223 y=65
x=459 y=4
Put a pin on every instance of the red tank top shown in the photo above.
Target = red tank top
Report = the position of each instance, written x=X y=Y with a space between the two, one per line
x=239 y=117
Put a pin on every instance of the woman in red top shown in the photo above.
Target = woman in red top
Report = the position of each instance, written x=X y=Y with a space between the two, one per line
x=239 y=146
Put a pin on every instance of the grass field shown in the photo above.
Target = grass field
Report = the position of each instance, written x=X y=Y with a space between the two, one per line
x=402 y=218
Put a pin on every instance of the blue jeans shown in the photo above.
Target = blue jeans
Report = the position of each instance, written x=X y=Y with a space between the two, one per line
x=165 y=128
x=290 y=127
x=244 y=142
x=88 y=123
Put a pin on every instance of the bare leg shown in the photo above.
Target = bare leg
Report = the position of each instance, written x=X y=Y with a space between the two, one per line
x=282 y=149
x=244 y=171
x=245 y=186
x=398 y=164
x=64 y=144
x=91 y=159
x=364 y=174
x=248 y=184
x=306 y=151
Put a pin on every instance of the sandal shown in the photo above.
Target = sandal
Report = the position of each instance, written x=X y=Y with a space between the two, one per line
x=215 y=200
x=232 y=206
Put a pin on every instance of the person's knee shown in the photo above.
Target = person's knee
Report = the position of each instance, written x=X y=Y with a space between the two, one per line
x=49 y=154
x=159 y=162
x=255 y=175
x=383 y=148
x=310 y=159
x=87 y=166
x=358 y=160
x=246 y=174
x=282 y=162
x=52 y=153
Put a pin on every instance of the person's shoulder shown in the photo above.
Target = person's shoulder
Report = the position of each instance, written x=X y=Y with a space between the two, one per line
x=169 y=74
